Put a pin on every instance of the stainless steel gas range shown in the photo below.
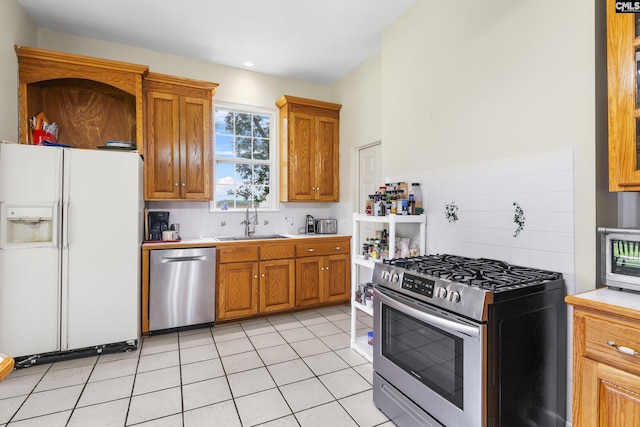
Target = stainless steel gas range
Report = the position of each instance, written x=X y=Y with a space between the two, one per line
x=464 y=342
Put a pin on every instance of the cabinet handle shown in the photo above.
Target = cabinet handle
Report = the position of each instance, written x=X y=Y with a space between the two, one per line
x=310 y=250
x=184 y=184
x=264 y=275
x=313 y=188
x=255 y=277
x=321 y=268
x=177 y=184
x=326 y=268
x=337 y=248
x=621 y=349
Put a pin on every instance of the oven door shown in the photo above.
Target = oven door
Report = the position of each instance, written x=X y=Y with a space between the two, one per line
x=431 y=357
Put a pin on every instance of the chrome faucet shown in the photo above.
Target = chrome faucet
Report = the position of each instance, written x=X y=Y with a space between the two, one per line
x=248 y=231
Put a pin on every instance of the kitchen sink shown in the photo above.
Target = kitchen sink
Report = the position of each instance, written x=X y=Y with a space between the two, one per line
x=254 y=237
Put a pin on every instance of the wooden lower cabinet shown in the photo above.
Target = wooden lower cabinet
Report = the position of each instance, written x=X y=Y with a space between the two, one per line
x=277 y=285
x=606 y=381
x=264 y=282
x=237 y=290
x=323 y=271
x=309 y=289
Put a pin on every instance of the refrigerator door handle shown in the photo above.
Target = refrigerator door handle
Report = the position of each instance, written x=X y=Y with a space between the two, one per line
x=57 y=214
x=65 y=225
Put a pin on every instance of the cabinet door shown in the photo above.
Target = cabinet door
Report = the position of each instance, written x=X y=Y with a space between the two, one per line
x=623 y=100
x=195 y=148
x=608 y=397
x=302 y=155
x=237 y=290
x=309 y=289
x=277 y=285
x=162 y=159
x=326 y=159
x=336 y=276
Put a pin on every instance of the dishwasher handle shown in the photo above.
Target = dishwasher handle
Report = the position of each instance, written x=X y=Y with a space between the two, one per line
x=183 y=258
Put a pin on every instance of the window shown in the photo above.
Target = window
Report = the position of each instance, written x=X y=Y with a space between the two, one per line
x=244 y=167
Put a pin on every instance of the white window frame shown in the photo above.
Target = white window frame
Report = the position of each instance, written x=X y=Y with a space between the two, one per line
x=274 y=149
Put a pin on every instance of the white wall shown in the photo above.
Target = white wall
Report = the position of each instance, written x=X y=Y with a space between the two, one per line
x=16 y=28
x=495 y=79
x=360 y=124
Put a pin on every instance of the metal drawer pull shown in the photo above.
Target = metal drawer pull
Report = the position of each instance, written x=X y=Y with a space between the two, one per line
x=621 y=349
x=337 y=248
x=310 y=250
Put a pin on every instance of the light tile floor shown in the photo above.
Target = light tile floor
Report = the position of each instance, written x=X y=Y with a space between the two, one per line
x=287 y=370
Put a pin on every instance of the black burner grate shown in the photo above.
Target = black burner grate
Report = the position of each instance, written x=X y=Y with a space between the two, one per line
x=484 y=273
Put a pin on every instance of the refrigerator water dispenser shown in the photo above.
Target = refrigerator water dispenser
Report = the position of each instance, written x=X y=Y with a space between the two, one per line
x=27 y=225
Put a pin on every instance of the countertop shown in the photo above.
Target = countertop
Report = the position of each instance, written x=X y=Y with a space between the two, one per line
x=622 y=302
x=198 y=242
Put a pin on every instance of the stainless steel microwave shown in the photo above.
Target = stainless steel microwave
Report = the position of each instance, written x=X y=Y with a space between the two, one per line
x=620 y=251
x=326 y=226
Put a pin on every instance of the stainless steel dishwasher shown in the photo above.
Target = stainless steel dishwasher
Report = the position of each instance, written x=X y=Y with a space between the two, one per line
x=181 y=287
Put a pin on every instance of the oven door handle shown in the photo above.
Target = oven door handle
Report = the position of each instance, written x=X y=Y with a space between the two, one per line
x=409 y=309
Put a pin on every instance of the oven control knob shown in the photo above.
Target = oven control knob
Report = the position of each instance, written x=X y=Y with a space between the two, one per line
x=441 y=292
x=395 y=277
x=386 y=275
x=454 y=296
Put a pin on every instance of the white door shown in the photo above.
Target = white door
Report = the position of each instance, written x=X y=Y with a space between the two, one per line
x=29 y=276
x=101 y=260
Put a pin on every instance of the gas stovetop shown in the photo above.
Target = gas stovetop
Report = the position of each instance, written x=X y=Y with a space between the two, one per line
x=493 y=275
x=462 y=285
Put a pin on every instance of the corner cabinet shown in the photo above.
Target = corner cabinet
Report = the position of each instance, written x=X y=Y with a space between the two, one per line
x=178 y=143
x=91 y=100
x=359 y=342
x=309 y=150
x=623 y=82
x=606 y=363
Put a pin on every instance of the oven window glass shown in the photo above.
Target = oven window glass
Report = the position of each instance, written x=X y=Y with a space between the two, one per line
x=625 y=257
x=429 y=354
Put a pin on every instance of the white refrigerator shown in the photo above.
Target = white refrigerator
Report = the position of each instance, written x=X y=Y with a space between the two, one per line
x=70 y=237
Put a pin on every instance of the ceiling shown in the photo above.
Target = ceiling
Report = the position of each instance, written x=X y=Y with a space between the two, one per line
x=309 y=40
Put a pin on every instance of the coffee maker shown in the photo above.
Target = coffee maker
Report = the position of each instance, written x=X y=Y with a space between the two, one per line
x=158 y=222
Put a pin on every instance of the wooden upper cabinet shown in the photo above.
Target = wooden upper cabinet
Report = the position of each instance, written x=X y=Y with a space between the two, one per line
x=623 y=45
x=178 y=121
x=91 y=100
x=309 y=150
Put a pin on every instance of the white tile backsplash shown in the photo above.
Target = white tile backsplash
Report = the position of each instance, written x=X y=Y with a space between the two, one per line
x=196 y=220
x=485 y=193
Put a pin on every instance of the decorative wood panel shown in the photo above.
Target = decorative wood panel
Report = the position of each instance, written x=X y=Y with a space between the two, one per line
x=92 y=100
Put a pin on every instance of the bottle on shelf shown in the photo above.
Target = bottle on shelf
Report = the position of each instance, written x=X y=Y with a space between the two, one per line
x=417 y=196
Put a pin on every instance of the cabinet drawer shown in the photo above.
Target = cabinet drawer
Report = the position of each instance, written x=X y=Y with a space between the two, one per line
x=278 y=251
x=322 y=248
x=234 y=253
x=599 y=331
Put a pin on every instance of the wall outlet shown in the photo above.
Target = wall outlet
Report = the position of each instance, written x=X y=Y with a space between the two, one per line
x=289 y=220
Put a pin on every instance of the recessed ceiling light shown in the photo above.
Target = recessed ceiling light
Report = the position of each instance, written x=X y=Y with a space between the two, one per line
x=248 y=64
